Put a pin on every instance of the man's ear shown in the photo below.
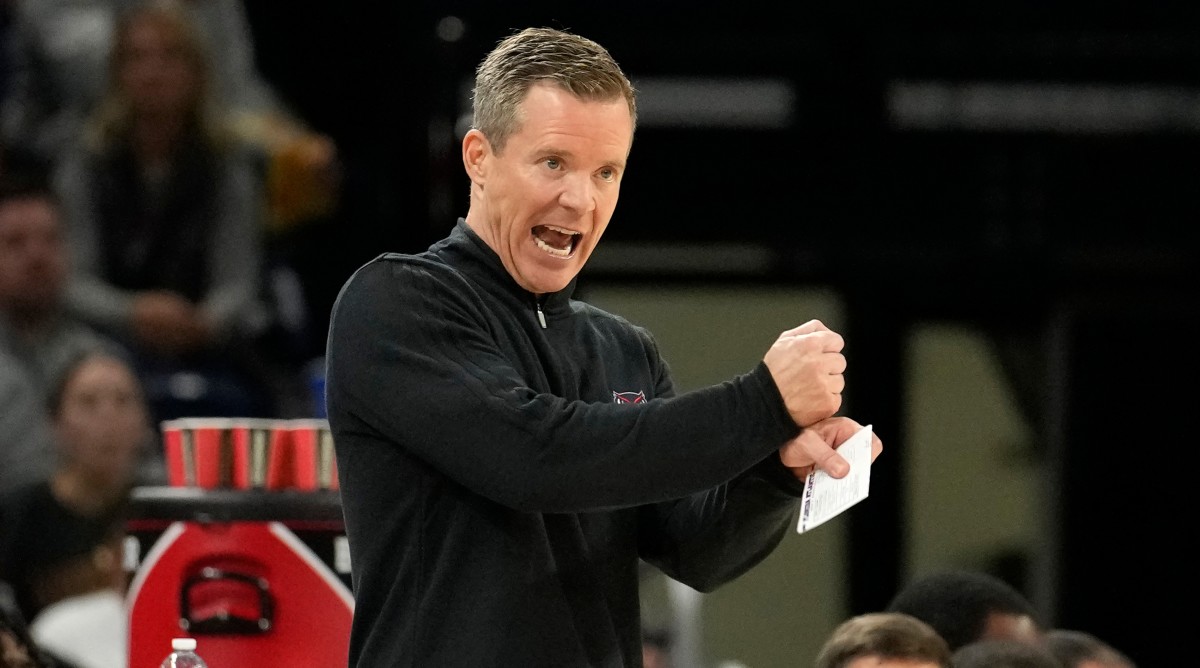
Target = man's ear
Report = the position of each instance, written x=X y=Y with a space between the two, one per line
x=475 y=151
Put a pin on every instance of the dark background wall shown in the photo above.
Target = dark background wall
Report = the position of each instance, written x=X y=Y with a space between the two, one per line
x=1029 y=170
x=842 y=176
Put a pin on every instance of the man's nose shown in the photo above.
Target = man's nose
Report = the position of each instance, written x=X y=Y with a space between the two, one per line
x=578 y=193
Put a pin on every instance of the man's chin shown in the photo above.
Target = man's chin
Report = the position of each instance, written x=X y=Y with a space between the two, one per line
x=550 y=276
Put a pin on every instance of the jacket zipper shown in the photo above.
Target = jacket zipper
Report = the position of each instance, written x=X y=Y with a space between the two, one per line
x=540 y=314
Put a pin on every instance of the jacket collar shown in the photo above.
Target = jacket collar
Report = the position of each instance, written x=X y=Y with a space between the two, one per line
x=465 y=250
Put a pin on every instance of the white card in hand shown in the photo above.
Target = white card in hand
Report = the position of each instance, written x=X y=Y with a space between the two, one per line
x=826 y=497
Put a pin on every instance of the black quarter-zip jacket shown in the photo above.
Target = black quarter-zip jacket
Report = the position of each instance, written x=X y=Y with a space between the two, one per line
x=501 y=477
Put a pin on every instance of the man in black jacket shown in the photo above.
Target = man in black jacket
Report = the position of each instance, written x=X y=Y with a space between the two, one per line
x=506 y=453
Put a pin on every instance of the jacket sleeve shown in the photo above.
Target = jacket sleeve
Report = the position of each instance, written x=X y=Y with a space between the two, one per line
x=709 y=538
x=410 y=360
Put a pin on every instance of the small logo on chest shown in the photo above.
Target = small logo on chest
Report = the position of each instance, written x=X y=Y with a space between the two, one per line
x=629 y=397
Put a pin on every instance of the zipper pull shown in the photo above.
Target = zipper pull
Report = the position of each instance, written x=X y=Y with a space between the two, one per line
x=541 y=316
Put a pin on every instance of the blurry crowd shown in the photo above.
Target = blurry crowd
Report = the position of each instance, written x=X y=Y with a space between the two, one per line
x=151 y=182
x=944 y=619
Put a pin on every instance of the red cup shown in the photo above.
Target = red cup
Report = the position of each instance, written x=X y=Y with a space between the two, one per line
x=280 y=460
x=314 y=465
x=178 y=472
x=257 y=442
x=199 y=452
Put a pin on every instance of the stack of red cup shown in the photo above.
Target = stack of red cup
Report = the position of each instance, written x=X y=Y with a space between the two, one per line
x=250 y=453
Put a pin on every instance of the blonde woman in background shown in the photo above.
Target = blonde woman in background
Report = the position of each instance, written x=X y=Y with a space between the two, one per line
x=164 y=208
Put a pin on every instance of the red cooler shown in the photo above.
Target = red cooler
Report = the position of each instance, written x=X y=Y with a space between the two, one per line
x=250 y=574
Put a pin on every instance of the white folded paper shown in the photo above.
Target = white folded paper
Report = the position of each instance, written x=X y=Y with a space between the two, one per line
x=826 y=497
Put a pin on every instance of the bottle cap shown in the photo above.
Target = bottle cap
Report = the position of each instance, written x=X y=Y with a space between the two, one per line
x=183 y=644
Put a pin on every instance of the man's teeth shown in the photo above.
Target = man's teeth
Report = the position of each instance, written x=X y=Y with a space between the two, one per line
x=560 y=252
x=557 y=251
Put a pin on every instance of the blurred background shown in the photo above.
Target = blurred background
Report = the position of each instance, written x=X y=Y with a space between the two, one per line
x=994 y=204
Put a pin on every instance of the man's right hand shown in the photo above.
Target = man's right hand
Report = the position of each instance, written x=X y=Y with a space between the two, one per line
x=807 y=365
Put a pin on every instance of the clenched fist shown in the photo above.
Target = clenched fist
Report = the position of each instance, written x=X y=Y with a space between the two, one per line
x=807 y=365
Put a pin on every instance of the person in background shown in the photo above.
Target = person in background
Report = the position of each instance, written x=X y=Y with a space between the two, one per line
x=966 y=605
x=883 y=640
x=1004 y=653
x=1080 y=649
x=37 y=336
x=58 y=66
x=163 y=209
x=61 y=538
x=508 y=453
x=34 y=265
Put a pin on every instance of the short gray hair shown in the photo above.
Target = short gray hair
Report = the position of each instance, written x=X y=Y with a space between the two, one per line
x=574 y=63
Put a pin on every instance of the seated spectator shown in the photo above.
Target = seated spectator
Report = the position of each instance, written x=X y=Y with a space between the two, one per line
x=34 y=326
x=56 y=75
x=37 y=337
x=884 y=640
x=1003 y=653
x=1080 y=649
x=964 y=606
x=164 y=212
x=62 y=537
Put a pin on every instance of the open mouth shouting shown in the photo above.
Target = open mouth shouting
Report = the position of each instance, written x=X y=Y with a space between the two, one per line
x=556 y=241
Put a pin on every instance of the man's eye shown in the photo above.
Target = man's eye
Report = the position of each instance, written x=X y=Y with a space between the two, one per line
x=608 y=174
x=553 y=163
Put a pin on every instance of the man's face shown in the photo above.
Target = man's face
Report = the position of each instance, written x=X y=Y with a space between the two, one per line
x=33 y=261
x=544 y=203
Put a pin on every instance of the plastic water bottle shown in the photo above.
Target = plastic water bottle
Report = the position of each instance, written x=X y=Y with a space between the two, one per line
x=183 y=655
